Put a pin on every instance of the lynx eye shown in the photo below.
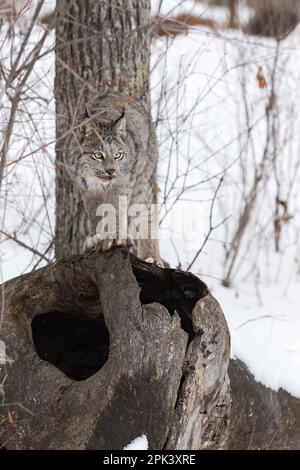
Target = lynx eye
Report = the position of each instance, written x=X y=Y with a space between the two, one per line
x=120 y=155
x=98 y=156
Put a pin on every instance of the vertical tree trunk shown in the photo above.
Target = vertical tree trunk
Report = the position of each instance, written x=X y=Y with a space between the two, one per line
x=100 y=47
x=275 y=18
x=233 y=13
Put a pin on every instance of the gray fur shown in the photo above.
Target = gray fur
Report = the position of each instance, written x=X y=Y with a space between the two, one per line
x=109 y=129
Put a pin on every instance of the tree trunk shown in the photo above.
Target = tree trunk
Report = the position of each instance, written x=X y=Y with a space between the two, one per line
x=233 y=13
x=276 y=18
x=101 y=47
x=132 y=349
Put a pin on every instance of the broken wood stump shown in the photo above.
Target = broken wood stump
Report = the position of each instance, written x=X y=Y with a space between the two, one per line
x=103 y=348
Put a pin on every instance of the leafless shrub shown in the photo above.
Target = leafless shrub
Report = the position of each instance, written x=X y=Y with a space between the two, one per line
x=24 y=134
x=258 y=185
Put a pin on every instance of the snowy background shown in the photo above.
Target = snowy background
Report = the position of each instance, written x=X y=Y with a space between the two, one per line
x=212 y=132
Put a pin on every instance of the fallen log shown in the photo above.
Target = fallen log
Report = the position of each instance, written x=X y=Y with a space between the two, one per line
x=103 y=348
x=261 y=419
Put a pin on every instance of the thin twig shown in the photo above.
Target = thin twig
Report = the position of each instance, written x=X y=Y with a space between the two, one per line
x=211 y=226
x=27 y=247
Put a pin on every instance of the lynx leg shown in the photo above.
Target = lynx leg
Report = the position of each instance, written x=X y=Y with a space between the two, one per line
x=148 y=250
x=96 y=242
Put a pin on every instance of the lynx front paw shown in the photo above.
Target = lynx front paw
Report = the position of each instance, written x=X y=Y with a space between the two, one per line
x=158 y=261
x=96 y=242
x=90 y=243
x=123 y=242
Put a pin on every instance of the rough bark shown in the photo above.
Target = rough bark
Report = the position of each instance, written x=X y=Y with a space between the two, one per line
x=131 y=349
x=101 y=47
x=261 y=418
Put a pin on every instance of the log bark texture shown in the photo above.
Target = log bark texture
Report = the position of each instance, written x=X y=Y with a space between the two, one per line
x=104 y=348
x=261 y=419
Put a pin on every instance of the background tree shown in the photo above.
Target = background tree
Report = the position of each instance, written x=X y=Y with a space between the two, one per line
x=274 y=17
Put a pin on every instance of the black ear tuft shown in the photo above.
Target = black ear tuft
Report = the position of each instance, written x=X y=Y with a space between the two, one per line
x=119 y=128
x=87 y=113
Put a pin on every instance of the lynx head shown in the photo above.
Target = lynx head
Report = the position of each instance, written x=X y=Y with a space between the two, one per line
x=103 y=150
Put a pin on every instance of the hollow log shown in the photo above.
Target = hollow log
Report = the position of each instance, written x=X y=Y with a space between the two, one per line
x=103 y=348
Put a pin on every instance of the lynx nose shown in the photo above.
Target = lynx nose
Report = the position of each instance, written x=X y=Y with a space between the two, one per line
x=111 y=171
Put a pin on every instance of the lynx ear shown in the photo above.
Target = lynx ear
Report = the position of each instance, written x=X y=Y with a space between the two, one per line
x=86 y=113
x=82 y=116
x=119 y=128
x=79 y=132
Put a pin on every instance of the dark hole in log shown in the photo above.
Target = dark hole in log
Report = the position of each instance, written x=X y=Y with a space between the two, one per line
x=74 y=343
x=178 y=291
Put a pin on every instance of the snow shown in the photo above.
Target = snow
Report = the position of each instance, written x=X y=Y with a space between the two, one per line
x=2 y=353
x=30 y=181
x=262 y=306
x=140 y=443
x=265 y=336
x=26 y=8
x=202 y=133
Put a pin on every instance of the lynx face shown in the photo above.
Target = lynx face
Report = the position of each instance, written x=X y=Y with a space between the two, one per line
x=103 y=152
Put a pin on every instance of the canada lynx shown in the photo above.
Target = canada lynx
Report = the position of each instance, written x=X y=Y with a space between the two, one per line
x=115 y=159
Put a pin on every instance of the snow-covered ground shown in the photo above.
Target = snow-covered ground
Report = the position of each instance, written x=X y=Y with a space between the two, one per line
x=205 y=96
x=203 y=132
x=140 y=443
